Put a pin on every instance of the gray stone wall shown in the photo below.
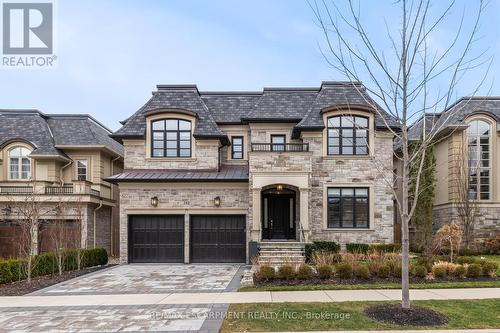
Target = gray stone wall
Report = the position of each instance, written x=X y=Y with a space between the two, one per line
x=279 y=162
x=185 y=199
x=206 y=157
x=487 y=222
x=374 y=171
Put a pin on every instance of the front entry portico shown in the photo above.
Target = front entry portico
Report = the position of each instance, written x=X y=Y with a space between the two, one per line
x=278 y=214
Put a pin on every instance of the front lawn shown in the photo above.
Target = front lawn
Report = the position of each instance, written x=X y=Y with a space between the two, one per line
x=430 y=285
x=350 y=316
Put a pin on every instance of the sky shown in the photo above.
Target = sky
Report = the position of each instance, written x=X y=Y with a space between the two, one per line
x=112 y=54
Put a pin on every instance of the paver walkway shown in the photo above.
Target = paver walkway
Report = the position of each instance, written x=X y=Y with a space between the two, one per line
x=246 y=297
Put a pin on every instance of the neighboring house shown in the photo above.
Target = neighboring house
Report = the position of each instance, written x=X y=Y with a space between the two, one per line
x=467 y=152
x=55 y=164
x=212 y=176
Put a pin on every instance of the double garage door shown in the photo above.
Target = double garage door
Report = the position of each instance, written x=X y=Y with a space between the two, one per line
x=213 y=238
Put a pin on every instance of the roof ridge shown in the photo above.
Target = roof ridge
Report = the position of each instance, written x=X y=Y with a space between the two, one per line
x=234 y=92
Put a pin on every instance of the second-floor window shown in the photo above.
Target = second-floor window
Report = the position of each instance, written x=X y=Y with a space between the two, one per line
x=278 y=142
x=19 y=163
x=237 y=147
x=81 y=170
x=171 y=138
x=347 y=135
x=478 y=134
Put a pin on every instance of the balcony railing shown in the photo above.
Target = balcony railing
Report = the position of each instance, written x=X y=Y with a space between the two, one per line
x=16 y=189
x=59 y=189
x=280 y=147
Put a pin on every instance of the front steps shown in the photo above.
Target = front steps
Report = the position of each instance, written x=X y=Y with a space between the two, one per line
x=281 y=253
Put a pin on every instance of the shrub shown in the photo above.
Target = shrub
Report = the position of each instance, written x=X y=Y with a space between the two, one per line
x=70 y=260
x=5 y=274
x=474 y=271
x=266 y=273
x=420 y=271
x=492 y=245
x=44 y=264
x=286 y=272
x=357 y=247
x=439 y=271
x=322 y=258
x=427 y=261
x=305 y=272
x=384 y=248
x=459 y=271
x=490 y=268
x=469 y=252
x=384 y=271
x=396 y=269
x=448 y=266
x=94 y=257
x=17 y=269
x=325 y=272
x=361 y=271
x=326 y=246
x=344 y=270
x=468 y=260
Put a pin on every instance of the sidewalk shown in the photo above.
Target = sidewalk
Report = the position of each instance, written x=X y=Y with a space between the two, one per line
x=246 y=297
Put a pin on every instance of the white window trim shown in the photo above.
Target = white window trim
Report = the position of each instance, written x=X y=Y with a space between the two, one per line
x=19 y=169
x=86 y=168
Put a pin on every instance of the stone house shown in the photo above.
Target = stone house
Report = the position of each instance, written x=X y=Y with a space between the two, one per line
x=215 y=176
x=467 y=152
x=53 y=166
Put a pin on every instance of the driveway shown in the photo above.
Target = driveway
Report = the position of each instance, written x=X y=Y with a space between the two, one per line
x=140 y=287
x=150 y=278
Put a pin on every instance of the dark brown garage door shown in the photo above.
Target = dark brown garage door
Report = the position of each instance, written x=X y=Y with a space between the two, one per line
x=156 y=238
x=218 y=238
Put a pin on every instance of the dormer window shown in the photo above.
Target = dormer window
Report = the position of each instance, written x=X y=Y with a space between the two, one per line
x=347 y=135
x=19 y=164
x=171 y=138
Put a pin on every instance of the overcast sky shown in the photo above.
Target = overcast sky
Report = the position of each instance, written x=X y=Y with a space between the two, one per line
x=111 y=54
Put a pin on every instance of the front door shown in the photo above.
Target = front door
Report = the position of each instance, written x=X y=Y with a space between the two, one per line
x=278 y=216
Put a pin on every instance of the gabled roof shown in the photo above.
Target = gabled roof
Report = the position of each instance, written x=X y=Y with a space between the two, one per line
x=172 y=98
x=45 y=132
x=302 y=106
x=454 y=117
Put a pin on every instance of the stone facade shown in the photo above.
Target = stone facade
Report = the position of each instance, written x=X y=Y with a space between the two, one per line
x=206 y=156
x=487 y=222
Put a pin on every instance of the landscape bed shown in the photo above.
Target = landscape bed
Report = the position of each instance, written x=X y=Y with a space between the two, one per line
x=460 y=314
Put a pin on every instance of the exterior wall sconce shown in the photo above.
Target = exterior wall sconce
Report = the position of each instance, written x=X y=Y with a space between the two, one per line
x=217 y=201
x=279 y=188
x=154 y=201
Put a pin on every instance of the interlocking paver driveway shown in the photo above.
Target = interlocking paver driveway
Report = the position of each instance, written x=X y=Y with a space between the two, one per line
x=157 y=278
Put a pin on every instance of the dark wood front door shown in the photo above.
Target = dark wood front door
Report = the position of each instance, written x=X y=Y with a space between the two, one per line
x=279 y=216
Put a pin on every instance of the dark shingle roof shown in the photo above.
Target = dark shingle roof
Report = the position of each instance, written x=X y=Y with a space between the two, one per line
x=343 y=94
x=230 y=107
x=172 y=98
x=226 y=174
x=46 y=131
x=299 y=105
x=282 y=104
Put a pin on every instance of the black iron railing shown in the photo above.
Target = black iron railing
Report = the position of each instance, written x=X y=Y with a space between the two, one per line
x=280 y=147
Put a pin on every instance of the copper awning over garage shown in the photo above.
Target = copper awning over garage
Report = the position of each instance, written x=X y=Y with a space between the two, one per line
x=225 y=174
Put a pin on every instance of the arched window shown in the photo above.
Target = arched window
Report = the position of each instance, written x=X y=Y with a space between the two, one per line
x=19 y=163
x=171 y=138
x=347 y=135
x=479 y=149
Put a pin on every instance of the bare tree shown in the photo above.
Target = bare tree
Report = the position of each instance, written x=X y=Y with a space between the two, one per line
x=61 y=234
x=408 y=74
x=31 y=213
x=465 y=199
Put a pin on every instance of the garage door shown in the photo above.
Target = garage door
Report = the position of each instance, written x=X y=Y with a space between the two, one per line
x=156 y=238
x=218 y=238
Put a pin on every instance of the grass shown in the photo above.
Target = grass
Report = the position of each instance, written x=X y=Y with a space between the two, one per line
x=349 y=316
x=434 y=285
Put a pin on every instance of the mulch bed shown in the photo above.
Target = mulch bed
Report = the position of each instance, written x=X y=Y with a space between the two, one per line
x=20 y=288
x=374 y=280
x=414 y=316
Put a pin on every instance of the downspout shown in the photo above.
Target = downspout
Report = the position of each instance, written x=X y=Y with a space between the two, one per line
x=112 y=247
x=61 y=171
x=218 y=158
x=95 y=210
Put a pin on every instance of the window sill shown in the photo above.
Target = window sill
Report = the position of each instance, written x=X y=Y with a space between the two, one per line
x=349 y=229
x=171 y=159
x=348 y=157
